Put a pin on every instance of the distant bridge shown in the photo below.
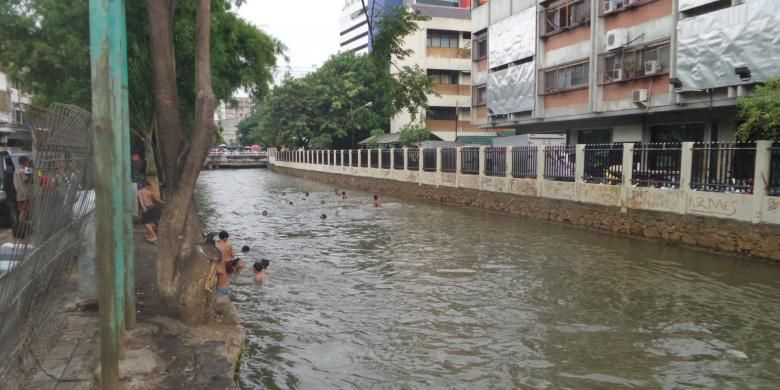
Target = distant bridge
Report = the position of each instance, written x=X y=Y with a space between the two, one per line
x=232 y=160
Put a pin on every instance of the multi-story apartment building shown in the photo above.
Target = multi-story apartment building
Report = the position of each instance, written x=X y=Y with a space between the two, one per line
x=13 y=103
x=228 y=115
x=442 y=47
x=621 y=70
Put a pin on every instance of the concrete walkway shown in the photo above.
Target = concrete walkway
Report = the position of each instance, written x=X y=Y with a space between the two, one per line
x=70 y=365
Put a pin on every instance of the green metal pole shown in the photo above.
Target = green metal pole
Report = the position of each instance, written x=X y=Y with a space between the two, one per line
x=128 y=183
x=109 y=62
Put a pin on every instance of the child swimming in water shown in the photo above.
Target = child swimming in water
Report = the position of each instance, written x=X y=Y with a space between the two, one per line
x=261 y=270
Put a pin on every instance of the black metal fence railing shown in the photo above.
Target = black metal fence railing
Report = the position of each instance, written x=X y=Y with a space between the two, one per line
x=773 y=187
x=449 y=160
x=354 y=157
x=524 y=162
x=337 y=157
x=364 y=158
x=495 y=161
x=604 y=164
x=429 y=160
x=386 y=158
x=398 y=159
x=559 y=163
x=469 y=160
x=657 y=165
x=374 y=158
x=413 y=159
x=723 y=167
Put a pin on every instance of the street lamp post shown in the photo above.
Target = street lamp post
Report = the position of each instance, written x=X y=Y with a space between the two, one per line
x=352 y=119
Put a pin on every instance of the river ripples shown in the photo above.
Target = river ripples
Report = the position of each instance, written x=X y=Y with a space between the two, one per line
x=420 y=295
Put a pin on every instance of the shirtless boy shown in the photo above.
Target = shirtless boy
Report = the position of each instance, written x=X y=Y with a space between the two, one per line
x=226 y=250
x=150 y=210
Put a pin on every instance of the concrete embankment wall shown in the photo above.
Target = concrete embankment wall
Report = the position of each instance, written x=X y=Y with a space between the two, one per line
x=724 y=235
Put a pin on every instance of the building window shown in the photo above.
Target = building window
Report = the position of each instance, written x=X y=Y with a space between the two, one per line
x=443 y=38
x=566 y=77
x=480 y=51
x=479 y=95
x=566 y=14
x=594 y=137
x=18 y=117
x=442 y=113
x=634 y=62
x=443 y=76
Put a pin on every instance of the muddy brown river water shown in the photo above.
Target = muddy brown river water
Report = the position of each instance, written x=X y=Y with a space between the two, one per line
x=421 y=295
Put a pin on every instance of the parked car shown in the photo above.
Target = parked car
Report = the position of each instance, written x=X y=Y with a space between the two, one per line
x=9 y=162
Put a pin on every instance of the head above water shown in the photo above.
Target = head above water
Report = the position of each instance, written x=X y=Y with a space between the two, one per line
x=223 y=235
x=291 y=203
x=265 y=213
x=343 y=193
x=261 y=265
x=245 y=249
x=376 y=197
x=323 y=216
x=307 y=194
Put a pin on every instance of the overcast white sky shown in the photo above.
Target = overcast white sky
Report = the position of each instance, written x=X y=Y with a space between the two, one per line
x=309 y=28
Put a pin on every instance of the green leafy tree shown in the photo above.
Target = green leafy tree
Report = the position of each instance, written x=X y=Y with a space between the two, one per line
x=760 y=113
x=414 y=133
x=407 y=87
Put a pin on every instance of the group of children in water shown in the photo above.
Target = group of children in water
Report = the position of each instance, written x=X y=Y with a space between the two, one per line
x=342 y=194
x=232 y=264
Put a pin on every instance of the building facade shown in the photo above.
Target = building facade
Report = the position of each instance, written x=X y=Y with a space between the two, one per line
x=442 y=47
x=229 y=115
x=14 y=136
x=605 y=71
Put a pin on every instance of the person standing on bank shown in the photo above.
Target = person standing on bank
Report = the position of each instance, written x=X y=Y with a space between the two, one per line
x=150 y=210
x=23 y=180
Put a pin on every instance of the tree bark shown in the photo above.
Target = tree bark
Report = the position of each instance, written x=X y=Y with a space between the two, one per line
x=181 y=273
x=166 y=94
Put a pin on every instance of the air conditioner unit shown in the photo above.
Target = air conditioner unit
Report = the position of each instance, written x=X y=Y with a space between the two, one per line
x=616 y=38
x=639 y=96
x=617 y=74
x=609 y=6
x=652 y=67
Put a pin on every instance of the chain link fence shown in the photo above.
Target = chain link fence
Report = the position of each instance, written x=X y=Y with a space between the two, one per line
x=36 y=275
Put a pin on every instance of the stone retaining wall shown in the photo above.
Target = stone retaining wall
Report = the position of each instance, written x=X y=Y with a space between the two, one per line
x=759 y=240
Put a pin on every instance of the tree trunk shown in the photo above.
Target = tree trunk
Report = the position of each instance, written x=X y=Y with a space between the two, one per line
x=166 y=96
x=181 y=273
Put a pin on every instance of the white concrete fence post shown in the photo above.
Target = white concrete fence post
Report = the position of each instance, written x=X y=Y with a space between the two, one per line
x=628 y=175
x=360 y=159
x=508 y=172
x=482 y=166
x=438 y=167
x=760 y=178
x=406 y=158
x=579 y=167
x=379 y=159
x=392 y=158
x=420 y=165
x=686 y=171
x=541 y=155
x=368 y=154
x=457 y=166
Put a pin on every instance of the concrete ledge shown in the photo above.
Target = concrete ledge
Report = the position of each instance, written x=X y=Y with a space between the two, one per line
x=703 y=232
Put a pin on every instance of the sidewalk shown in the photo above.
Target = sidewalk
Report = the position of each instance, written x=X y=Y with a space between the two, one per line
x=161 y=353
